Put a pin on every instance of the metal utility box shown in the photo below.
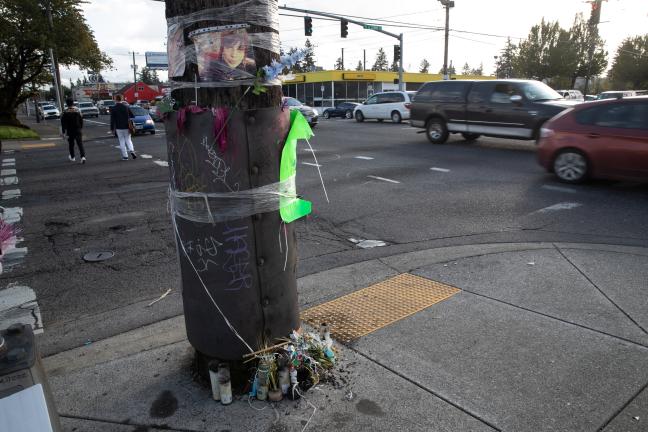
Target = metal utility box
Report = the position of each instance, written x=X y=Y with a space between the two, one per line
x=20 y=370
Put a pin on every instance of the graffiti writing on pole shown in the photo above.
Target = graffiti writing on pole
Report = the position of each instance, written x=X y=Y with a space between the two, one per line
x=203 y=252
x=220 y=168
x=238 y=255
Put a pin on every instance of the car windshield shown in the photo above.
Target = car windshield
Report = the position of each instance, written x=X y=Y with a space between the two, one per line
x=537 y=91
x=137 y=111
x=85 y=105
x=109 y=103
x=48 y=107
x=293 y=102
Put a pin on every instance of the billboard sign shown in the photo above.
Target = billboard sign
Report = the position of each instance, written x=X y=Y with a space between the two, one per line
x=157 y=60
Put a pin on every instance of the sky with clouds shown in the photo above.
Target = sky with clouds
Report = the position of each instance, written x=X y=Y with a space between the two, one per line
x=124 y=26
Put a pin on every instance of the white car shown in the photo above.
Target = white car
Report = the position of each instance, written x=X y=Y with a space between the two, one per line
x=392 y=105
x=575 y=95
x=49 y=111
x=88 y=109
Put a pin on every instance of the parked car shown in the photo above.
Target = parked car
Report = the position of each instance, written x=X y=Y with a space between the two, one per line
x=48 y=111
x=614 y=94
x=311 y=114
x=394 y=105
x=88 y=109
x=105 y=105
x=345 y=109
x=589 y=98
x=603 y=139
x=572 y=95
x=499 y=108
x=142 y=120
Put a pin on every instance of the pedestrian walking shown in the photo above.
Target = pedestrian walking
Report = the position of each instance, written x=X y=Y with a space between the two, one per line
x=71 y=124
x=120 y=117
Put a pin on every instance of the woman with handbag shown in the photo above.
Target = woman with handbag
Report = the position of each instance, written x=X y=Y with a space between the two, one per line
x=121 y=125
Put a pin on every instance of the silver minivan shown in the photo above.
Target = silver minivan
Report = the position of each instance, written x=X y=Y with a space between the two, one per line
x=391 y=105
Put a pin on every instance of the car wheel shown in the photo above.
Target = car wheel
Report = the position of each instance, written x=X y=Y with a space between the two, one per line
x=571 y=166
x=470 y=136
x=326 y=115
x=436 y=131
x=359 y=116
x=396 y=117
x=348 y=114
x=153 y=132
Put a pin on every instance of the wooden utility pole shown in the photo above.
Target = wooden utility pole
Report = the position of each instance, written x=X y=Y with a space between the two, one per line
x=238 y=269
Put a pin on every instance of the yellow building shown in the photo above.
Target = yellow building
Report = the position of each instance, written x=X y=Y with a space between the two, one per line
x=330 y=88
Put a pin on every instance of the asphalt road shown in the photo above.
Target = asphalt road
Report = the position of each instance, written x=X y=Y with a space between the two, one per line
x=384 y=182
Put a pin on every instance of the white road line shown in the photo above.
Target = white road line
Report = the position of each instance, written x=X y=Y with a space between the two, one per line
x=8 y=181
x=12 y=215
x=559 y=207
x=363 y=157
x=443 y=170
x=7 y=172
x=161 y=163
x=146 y=156
x=96 y=122
x=383 y=179
x=9 y=160
x=8 y=164
x=10 y=194
x=312 y=164
x=559 y=189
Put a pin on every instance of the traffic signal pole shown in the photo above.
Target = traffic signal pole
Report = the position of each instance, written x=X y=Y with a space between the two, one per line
x=401 y=85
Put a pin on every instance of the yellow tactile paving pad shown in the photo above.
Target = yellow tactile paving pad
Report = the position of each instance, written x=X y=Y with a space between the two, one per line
x=372 y=308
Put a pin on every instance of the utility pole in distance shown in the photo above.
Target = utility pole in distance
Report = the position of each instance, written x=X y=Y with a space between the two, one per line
x=55 y=66
x=595 y=19
x=448 y=4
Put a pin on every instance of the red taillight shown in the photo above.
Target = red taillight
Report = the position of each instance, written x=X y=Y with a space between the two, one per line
x=407 y=105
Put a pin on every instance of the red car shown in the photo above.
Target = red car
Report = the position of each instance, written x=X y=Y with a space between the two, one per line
x=606 y=139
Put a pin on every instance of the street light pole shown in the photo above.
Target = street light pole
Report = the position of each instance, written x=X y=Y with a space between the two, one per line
x=55 y=66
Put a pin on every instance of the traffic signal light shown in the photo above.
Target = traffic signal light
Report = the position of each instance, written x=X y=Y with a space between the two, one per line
x=397 y=53
x=344 y=28
x=308 y=26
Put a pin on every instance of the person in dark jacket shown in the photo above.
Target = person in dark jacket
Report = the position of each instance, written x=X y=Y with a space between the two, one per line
x=72 y=123
x=120 y=117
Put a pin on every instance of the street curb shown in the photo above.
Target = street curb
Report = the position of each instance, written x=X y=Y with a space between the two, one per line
x=345 y=278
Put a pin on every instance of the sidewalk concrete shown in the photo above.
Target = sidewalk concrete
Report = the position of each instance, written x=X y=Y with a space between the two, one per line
x=542 y=337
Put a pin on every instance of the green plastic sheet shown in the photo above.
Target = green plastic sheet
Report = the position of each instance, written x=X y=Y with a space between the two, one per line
x=293 y=209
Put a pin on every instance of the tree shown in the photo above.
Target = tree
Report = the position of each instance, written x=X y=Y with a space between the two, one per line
x=381 y=63
x=425 y=66
x=466 y=69
x=534 y=59
x=309 y=57
x=395 y=67
x=360 y=66
x=505 y=65
x=630 y=67
x=587 y=49
x=338 y=64
x=149 y=76
x=51 y=93
x=451 y=70
x=478 y=71
x=25 y=40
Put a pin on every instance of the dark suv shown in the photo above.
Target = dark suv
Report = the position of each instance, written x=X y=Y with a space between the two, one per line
x=499 y=108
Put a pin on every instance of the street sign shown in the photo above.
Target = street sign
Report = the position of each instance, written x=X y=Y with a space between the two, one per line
x=371 y=27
